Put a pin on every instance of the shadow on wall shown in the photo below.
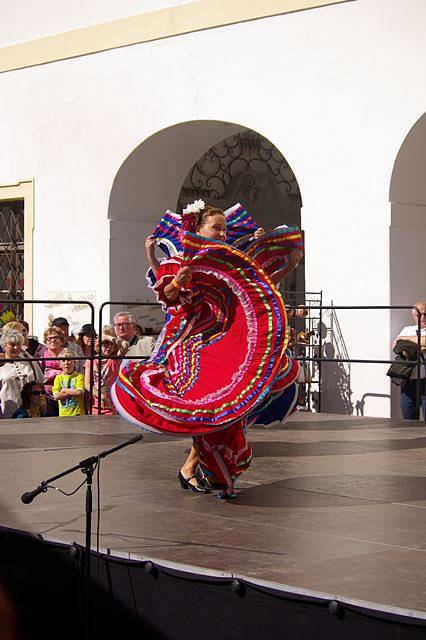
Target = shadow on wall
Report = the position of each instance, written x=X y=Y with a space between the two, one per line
x=336 y=389
x=336 y=392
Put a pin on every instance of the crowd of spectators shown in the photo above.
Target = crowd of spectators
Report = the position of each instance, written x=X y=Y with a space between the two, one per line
x=73 y=385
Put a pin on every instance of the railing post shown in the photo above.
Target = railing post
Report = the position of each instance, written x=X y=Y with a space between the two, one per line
x=320 y=356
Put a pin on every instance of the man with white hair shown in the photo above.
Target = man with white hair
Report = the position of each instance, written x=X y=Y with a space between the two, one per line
x=125 y=329
x=409 y=388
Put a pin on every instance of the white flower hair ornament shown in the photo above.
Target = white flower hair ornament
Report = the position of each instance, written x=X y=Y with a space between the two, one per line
x=195 y=207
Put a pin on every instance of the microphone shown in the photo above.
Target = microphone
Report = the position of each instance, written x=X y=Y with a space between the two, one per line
x=29 y=496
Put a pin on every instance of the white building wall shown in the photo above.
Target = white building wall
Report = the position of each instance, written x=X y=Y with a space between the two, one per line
x=335 y=89
x=22 y=20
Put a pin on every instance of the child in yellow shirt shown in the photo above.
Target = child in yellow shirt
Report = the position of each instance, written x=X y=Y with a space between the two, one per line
x=68 y=387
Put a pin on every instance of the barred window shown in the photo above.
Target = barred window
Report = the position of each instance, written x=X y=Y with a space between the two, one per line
x=12 y=253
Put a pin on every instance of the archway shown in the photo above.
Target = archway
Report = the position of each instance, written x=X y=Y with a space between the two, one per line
x=155 y=177
x=408 y=228
x=248 y=168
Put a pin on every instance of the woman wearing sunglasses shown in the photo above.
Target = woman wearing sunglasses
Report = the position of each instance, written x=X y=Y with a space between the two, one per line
x=33 y=401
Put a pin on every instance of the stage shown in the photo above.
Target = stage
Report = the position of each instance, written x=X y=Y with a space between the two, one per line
x=334 y=504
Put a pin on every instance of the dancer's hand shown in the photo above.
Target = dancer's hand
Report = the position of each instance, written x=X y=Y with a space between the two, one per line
x=295 y=257
x=150 y=254
x=183 y=276
x=259 y=233
x=150 y=246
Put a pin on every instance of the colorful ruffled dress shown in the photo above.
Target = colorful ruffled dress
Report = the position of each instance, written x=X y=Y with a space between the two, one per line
x=222 y=361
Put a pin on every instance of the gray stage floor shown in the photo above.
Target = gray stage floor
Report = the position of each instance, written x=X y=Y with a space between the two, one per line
x=332 y=503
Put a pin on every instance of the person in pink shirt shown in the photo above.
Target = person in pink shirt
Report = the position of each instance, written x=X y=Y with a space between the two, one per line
x=110 y=347
x=54 y=340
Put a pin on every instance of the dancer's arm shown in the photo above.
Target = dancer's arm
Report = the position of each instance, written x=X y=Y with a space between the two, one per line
x=294 y=259
x=150 y=254
x=182 y=278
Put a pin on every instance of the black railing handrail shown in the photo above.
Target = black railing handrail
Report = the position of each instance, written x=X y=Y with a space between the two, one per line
x=317 y=359
x=120 y=303
x=419 y=362
x=92 y=322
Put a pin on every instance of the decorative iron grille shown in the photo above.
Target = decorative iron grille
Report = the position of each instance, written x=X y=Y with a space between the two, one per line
x=12 y=254
x=244 y=153
x=306 y=336
x=249 y=169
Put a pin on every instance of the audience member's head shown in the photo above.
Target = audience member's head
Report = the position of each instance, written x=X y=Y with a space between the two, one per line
x=421 y=306
x=54 y=339
x=85 y=337
x=112 y=346
x=25 y=331
x=33 y=394
x=63 y=324
x=11 y=342
x=14 y=325
x=108 y=330
x=125 y=325
x=68 y=365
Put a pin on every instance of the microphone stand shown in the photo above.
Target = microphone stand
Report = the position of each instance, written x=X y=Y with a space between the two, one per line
x=87 y=466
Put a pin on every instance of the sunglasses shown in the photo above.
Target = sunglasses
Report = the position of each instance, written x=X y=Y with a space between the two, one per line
x=38 y=393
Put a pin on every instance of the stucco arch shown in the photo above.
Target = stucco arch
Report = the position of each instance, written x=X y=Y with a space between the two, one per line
x=147 y=183
x=408 y=220
x=408 y=184
x=408 y=229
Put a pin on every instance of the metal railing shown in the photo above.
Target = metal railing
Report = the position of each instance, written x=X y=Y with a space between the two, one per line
x=312 y=322
x=418 y=362
x=99 y=356
x=318 y=359
x=44 y=358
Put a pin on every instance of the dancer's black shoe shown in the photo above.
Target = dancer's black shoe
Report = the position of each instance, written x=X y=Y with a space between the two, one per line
x=204 y=481
x=186 y=484
x=224 y=495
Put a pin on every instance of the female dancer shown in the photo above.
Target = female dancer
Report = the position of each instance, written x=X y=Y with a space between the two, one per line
x=222 y=359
